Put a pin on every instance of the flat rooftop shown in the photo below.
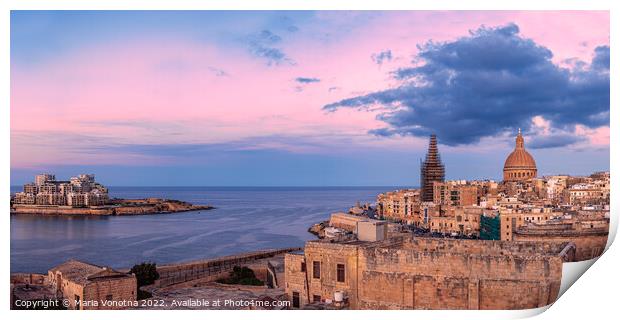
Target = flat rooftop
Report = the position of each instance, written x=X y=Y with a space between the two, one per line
x=455 y=246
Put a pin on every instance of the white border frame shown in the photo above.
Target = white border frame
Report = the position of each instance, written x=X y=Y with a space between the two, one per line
x=593 y=296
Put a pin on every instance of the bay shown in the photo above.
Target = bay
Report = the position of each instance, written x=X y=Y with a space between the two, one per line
x=245 y=219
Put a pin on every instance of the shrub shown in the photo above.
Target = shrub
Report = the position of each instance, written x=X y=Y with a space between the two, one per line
x=243 y=276
x=146 y=273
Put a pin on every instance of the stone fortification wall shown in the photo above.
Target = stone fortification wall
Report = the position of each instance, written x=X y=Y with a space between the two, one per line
x=425 y=273
x=211 y=269
x=589 y=245
x=345 y=221
x=111 y=289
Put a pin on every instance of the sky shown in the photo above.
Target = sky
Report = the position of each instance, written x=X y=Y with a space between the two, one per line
x=304 y=98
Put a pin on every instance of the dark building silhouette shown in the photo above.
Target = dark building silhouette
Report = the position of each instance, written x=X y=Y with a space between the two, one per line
x=431 y=170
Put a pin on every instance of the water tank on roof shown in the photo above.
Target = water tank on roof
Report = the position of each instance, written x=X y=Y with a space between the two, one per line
x=338 y=296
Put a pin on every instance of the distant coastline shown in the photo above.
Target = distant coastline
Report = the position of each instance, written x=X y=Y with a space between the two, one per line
x=117 y=207
x=82 y=195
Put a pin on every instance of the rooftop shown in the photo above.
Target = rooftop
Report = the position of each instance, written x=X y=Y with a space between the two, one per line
x=28 y=292
x=82 y=272
x=424 y=245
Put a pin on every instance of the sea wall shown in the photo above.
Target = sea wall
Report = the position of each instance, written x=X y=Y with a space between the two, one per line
x=129 y=207
x=211 y=269
x=61 y=210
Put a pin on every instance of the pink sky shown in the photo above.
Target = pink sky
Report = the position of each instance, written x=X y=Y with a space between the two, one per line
x=161 y=89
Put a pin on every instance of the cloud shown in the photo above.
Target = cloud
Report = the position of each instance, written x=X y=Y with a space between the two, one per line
x=218 y=72
x=304 y=80
x=553 y=141
x=262 y=45
x=333 y=89
x=601 y=58
x=487 y=84
x=382 y=56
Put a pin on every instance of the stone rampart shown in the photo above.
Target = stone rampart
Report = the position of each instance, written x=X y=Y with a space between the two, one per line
x=211 y=269
x=428 y=273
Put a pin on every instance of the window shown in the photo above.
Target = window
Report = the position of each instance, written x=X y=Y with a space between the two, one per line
x=77 y=302
x=316 y=269
x=303 y=267
x=295 y=299
x=108 y=297
x=316 y=298
x=340 y=272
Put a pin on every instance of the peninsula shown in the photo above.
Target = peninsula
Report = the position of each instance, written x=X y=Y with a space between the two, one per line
x=81 y=195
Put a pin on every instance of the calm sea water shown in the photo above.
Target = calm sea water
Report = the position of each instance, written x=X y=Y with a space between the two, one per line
x=245 y=219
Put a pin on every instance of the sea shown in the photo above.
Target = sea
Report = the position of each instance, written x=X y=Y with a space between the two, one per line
x=244 y=219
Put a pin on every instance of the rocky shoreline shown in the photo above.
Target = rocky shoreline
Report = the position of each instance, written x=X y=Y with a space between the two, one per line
x=318 y=229
x=116 y=207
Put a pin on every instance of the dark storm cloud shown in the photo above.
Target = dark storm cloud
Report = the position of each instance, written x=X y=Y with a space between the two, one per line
x=488 y=83
x=553 y=141
x=263 y=45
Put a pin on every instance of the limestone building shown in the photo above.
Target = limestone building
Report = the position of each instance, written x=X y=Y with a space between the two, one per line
x=455 y=193
x=520 y=164
x=409 y=272
x=431 y=170
x=399 y=204
x=83 y=283
x=80 y=191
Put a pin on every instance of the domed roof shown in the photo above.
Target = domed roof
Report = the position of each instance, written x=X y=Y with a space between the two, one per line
x=519 y=158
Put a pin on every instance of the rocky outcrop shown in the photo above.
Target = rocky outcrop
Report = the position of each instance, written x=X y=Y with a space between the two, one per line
x=318 y=229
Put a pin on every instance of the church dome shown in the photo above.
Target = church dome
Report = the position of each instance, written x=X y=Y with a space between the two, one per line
x=519 y=158
x=520 y=164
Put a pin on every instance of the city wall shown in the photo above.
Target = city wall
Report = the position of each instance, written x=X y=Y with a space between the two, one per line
x=124 y=289
x=589 y=244
x=432 y=274
x=28 y=278
x=345 y=221
x=396 y=278
x=212 y=269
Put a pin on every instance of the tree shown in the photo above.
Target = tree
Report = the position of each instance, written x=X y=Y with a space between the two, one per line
x=146 y=273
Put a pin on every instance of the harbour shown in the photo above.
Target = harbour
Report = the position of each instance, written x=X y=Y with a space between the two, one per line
x=246 y=219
